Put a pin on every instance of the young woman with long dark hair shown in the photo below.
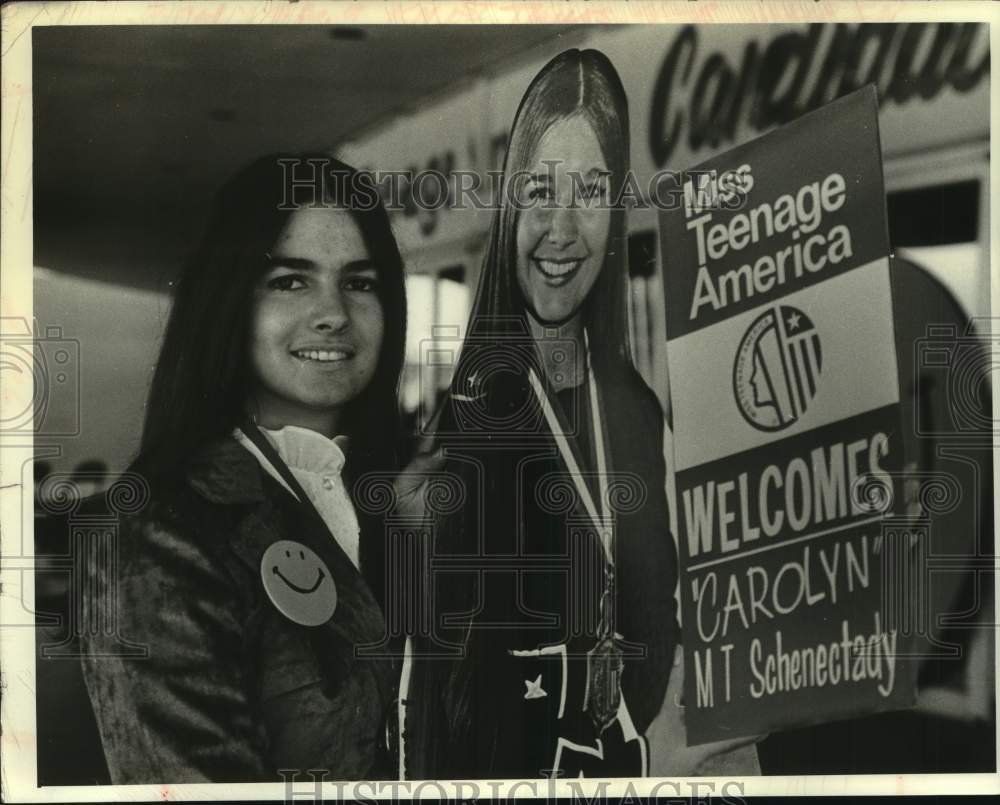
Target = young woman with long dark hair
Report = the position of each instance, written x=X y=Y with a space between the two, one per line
x=249 y=576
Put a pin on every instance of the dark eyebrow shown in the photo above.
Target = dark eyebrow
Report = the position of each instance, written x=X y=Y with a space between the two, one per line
x=304 y=264
x=281 y=261
x=357 y=266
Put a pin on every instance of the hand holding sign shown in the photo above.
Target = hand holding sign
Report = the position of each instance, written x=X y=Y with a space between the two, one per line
x=411 y=483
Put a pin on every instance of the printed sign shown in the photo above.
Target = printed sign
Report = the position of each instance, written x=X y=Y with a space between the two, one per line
x=786 y=427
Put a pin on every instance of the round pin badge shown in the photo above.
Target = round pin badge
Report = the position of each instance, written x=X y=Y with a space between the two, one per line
x=298 y=583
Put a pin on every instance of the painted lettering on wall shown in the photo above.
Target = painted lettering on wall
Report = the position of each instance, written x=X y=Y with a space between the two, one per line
x=708 y=98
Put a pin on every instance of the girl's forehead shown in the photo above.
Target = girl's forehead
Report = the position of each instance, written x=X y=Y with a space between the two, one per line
x=321 y=231
x=570 y=143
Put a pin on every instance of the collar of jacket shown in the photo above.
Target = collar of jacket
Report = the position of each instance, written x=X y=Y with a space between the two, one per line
x=225 y=472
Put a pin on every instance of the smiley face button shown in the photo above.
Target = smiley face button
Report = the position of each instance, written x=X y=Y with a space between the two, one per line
x=298 y=583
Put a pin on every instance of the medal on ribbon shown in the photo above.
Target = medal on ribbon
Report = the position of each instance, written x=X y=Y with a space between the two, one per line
x=605 y=663
x=604 y=692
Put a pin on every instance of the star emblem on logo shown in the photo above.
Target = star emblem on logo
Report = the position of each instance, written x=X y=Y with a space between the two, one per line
x=534 y=689
x=793 y=321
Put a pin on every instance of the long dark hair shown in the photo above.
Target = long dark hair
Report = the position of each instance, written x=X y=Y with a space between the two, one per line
x=203 y=374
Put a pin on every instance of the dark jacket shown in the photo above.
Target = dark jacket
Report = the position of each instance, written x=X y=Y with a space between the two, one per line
x=232 y=690
x=475 y=716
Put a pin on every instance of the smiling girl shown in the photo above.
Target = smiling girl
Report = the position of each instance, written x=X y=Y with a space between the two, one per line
x=564 y=615
x=553 y=648
x=249 y=577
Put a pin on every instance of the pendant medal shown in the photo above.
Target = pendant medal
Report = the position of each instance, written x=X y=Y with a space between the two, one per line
x=604 y=693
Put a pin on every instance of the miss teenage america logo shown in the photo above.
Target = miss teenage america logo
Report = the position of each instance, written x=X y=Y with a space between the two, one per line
x=777 y=368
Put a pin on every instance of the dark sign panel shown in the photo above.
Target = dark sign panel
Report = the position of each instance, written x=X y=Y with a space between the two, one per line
x=786 y=414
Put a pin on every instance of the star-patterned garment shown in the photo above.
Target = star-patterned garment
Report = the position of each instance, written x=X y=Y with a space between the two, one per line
x=545 y=698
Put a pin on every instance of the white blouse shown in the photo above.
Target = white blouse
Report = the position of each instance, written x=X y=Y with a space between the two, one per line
x=316 y=462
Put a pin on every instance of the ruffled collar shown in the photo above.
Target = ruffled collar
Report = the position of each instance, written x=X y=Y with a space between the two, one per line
x=306 y=450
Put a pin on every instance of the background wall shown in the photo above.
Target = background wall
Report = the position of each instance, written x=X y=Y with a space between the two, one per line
x=116 y=330
x=169 y=112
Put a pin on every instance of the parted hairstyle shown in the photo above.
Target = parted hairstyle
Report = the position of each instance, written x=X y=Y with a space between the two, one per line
x=204 y=375
x=574 y=84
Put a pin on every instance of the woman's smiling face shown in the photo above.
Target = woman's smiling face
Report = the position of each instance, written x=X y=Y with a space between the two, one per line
x=562 y=236
x=317 y=322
